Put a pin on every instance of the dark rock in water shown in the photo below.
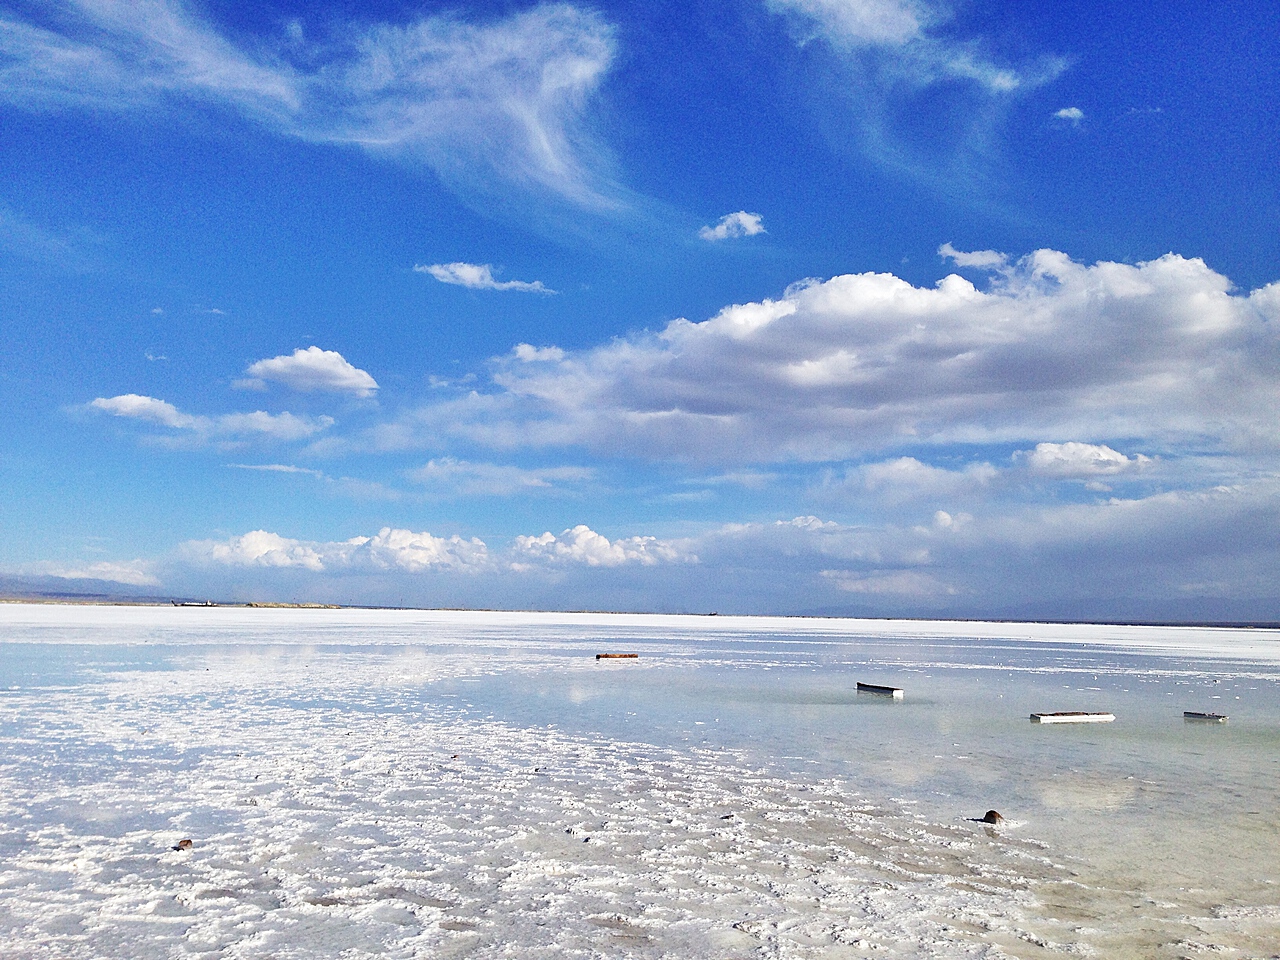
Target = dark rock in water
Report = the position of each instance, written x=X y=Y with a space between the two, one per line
x=183 y=845
x=992 y=816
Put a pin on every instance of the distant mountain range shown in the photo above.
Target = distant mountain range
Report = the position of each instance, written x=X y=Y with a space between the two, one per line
x=84 y=590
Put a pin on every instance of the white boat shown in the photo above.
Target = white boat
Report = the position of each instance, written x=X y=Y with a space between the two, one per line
x=1072 y=716
x=880 y=691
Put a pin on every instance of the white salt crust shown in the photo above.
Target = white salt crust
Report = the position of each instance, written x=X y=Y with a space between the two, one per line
x=341 y=805
x=330 y=820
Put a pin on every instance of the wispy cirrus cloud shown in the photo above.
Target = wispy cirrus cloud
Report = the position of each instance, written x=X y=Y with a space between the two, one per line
x=906 y=33
x=308 y=370
x=478 y=276
x=448 y=476
x=500 y=100
x=916 y=94
x=276 y=426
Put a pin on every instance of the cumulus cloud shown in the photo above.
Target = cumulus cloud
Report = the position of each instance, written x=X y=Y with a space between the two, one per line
x=460 y=477
x=1072 y=115
x=277 y=426
x=905 y=479
x=394 y=550
x=389 y=549
x=1074 y=459
x=582 y=545
x=311 y=369
x=1164 y=352
x=478 y=276
x=740 y=224
x=501 y=100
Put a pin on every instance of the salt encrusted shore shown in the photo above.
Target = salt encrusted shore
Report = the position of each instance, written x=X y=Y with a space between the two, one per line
x=326 y=819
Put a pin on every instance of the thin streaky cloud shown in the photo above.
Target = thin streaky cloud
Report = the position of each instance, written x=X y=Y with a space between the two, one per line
x=277 y=468
x=478 y=276
x=278 y=426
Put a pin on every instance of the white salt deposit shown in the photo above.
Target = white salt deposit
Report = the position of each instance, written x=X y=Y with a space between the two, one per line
x=396 y=784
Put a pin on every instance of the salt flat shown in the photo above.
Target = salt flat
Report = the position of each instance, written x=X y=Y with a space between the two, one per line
x=402 y=784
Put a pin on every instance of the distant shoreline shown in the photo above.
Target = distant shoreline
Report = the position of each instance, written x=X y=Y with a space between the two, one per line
x=108 y=601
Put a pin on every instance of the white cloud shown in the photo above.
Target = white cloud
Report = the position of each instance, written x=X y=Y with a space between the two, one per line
x=279 y=426
x=1072 y=115
x=1106 y=558
x=503 y=100
x=460 y=477
x=389 y=549
x=312 y=369
x=478 y=276
x=1162 y=352
x=135 y=573
x=902 y=29
x=146 y=408
x=980 y=259
x=905 y=479
x=1074 y=459
x=259 y=548
x=740 y=224
x=416 y=552
x=889 y=22
x=582 y=545
x=277 y=468
x=530 y=354
x=394 y=550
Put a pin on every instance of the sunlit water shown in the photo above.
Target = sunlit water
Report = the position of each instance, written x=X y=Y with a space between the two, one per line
x=400 y=784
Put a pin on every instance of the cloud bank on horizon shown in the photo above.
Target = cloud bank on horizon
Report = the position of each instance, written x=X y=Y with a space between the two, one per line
x=1007 y=347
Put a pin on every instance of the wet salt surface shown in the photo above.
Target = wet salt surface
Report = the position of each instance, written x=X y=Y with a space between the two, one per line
x=363 y=783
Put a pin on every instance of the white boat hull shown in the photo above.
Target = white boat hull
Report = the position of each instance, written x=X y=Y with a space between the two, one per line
x=1072 y=717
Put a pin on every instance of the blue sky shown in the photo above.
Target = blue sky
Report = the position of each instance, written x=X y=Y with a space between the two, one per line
x=865 y=306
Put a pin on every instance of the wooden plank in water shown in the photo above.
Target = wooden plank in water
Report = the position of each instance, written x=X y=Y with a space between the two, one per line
x=880 y=691
x=1204 y=717
x=1072 y=716
x=617 y=656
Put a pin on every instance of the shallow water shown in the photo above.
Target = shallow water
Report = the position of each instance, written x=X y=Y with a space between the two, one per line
x=361 y=783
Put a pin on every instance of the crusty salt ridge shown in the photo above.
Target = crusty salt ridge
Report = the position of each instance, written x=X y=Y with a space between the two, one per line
x=330 y=820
